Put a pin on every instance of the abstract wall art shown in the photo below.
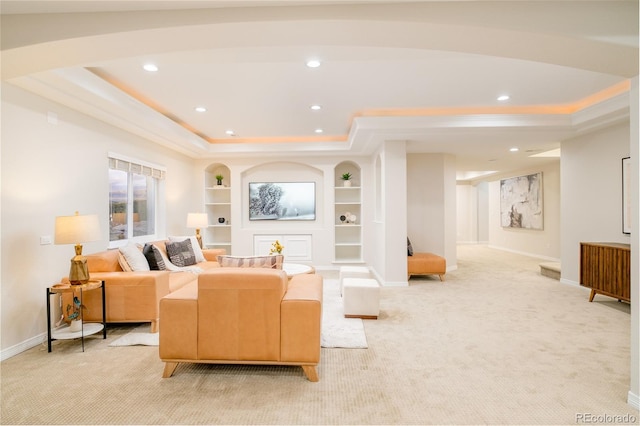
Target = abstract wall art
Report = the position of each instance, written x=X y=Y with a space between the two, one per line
x=521 y=202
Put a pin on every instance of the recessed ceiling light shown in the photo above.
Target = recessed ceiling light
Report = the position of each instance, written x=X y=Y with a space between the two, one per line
x=503 y=98
x=313 y=63
x=319 y=130
x=514 y=149
x=201 y=109
x=150 y=67
x=230 y=132
x=316 y=107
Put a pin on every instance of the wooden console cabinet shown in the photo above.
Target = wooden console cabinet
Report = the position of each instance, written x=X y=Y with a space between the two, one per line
x=606 y=269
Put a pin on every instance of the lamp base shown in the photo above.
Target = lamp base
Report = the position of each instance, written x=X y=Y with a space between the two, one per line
x=79 y=272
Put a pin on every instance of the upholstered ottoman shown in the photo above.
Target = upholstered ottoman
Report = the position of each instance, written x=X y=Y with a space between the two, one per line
x=353 y=272
x=426 y=264
x=361 y=298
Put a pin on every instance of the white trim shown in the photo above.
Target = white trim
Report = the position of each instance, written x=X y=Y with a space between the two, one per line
x=550 y=259
x=633 y=400
x=23 y=346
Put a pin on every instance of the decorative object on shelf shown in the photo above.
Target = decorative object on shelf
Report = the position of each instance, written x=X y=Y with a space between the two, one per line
x=346 y=177
x=76 y=230
x=276 y=248
x=74 y=313
x=221 y=220
x=348 y=217
x=219 y=179
x=197 y=221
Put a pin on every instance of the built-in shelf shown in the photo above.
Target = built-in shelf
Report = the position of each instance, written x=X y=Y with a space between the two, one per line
x=217 y=204
x=348 y=236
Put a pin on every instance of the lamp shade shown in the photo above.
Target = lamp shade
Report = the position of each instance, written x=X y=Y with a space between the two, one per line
x=197 y=220
x=77 y=229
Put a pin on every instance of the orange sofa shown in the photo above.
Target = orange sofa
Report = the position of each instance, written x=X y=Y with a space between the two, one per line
x=243 y=316
x=134 y=296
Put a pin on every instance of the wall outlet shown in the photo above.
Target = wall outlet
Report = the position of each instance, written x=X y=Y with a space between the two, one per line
x=47 y=239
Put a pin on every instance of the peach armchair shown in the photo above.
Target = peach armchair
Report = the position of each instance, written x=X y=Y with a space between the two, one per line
x=243 y=316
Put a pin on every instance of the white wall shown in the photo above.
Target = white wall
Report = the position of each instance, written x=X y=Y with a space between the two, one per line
x=541 y=243
x=431 y=205
x=55 y=169
x=634 y=111
x=592 y=193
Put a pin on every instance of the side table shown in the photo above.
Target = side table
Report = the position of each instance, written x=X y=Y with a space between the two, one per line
x=88 y=328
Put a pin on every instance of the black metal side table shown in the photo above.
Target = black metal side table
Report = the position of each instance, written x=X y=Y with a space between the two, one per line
x=86 y=329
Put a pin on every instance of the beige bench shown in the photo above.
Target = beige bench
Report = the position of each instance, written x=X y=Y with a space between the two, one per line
x=426 y=264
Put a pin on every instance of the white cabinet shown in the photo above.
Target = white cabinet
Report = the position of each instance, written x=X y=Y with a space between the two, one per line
x=348 y=214
x=297 y=247
x=217 y=204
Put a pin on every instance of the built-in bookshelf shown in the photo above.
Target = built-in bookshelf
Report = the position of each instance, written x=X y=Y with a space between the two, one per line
x=348 y=218
x=217 y=204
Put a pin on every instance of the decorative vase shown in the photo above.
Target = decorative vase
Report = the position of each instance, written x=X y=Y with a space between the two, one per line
x=219 y=182
x=76 y=325
x=221 y=220
x=347 y=183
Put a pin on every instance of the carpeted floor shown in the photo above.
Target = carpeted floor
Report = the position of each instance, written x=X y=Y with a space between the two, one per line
x=496 y=343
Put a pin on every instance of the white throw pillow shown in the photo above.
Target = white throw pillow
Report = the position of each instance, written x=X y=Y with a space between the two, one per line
x=135 y=258
x=194 y=245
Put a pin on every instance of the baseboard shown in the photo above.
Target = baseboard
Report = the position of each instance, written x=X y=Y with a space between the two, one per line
x=633 y=400
x=550 y=259
x=23 y=346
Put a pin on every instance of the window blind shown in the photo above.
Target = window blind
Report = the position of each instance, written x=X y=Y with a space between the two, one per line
x=134 y=166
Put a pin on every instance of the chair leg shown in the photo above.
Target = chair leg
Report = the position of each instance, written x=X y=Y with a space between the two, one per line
x=154 y=326
x=310 y=372
x=169 y=368
x=441 y=277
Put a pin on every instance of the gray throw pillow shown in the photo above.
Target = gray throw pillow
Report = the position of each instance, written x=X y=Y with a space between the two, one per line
x=154 y=258
x=409 y=247
x=181 y=253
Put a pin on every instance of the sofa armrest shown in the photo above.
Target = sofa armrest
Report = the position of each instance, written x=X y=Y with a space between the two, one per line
x=212 y=254
x=301 y=317
x=179 y=328
x=130 y=296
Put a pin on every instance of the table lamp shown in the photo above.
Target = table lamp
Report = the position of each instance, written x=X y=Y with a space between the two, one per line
x=197 y=220
x=77 y=229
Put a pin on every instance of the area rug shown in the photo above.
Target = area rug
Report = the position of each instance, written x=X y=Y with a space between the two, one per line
x=337 y=331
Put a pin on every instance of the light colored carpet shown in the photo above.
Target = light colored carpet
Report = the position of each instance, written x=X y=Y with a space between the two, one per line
x=337 y=331
x=496 y=343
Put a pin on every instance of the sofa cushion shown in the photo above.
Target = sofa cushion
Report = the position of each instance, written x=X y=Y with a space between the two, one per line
x=194 y=245
x=104 y=261
x=271 y=261
x=134 y=257
x=181 y=253
x=154 y=258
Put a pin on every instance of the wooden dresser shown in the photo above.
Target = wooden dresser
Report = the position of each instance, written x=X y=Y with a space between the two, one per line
x=606 y=269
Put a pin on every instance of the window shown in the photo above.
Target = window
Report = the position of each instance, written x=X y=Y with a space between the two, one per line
x=133 y=200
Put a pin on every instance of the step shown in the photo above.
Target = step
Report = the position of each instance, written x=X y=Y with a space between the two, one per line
x=550 y=269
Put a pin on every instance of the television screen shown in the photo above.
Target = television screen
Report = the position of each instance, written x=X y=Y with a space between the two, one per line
x=282 y=201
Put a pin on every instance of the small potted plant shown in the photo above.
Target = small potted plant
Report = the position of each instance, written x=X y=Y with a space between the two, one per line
x=219 y=179
x=346 y=177
x=74 y=314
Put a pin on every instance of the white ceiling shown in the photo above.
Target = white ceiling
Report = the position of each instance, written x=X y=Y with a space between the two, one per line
x=423 y=72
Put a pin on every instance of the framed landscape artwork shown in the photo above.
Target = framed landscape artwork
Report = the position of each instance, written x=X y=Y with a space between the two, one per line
x=521 y=202
x=282 y=201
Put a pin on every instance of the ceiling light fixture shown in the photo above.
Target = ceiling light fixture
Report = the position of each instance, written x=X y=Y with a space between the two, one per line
x=230 y=132
x=313 y=63
x=316 y=107
x=503 y=98
x=319 y=130
x=514 y=149
x=201 y=109
x=150 y=67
